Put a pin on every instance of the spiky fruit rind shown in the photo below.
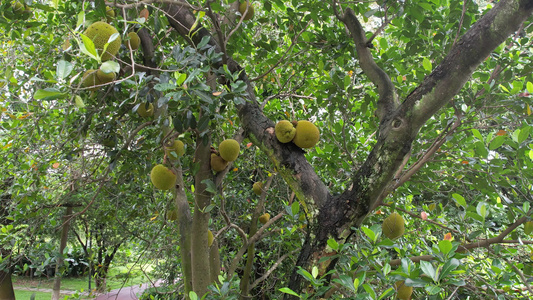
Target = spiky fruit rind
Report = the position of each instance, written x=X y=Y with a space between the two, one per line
x=134 y=41
x=110 y=13
x=99 y=33
x=258 y=188
x=393 y=226
x=210 y=238
x=251 y=11
x=218 y=164
x=89 y=79
x=528 y=227
x=307 y=134
x=176 y=150
x=264 y=218
x=229 y=149
x=285 y=131
x=145 y=112
x=403 y=292
x=105 y=77
x=162 y=177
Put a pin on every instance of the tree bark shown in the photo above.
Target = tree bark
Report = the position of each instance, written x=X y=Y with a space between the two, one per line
x=200 y=220
x=62 y=244
x=6 y=286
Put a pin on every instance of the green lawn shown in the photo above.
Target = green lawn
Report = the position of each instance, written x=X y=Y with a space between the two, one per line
x=116 y=279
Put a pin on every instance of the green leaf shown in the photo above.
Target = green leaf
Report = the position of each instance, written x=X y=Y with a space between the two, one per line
x=449 y=266
x=427 y=64
x=432 y=289
x=428 y=269
x=286 y=290
x=389 y=292
x=314 y=272
x=482 y=210
x=163 y=87
x=180 y=78
x=49 y=94
x=110 y=66
x=79 y=102
x=295 y=208
x=445 y=246
x=524 y=134
x=477 y=134
x=459 y=199
x=193 y=296
x=87 y=47
x=371 y=235
x=497 y=142
x=63 y=69
x=529 y=87
x=333 y=244
x=370 y=291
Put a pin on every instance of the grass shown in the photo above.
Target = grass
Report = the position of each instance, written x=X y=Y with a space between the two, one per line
x=117 y=278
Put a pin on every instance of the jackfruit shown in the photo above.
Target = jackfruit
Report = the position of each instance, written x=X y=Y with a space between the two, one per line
x=528 y=227
x=99 y=33
x=210 y=238
x=110 y=14
x=172 y=214
x=307 y=134
x=393 y=226
x=176 y=150
x=134 y=41
x=218 y=164
x=250 y=14
x=285 y=131
x=229 y=149
x=145 y=112
x=162 y=177
x=403 y=292
x=93 y=78
x=264 y=218
x=258 y=188
x=21 y=10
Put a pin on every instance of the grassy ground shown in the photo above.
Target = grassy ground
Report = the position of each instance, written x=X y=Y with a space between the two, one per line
x=117 y=278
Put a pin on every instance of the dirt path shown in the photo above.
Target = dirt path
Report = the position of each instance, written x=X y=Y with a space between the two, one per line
x=124 y=293
x=127 y=292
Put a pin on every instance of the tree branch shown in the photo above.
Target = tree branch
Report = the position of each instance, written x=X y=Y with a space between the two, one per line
x=387 y=101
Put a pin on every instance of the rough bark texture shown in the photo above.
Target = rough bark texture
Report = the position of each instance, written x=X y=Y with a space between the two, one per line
x=399 y=124
x=200 y=220
x=62 y=244
x=184 y=228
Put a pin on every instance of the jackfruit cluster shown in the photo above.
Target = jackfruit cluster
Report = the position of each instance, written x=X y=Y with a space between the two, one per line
x=304 y=135
x=93 y=78
x=162 y=177
x=228 y=151
x=393 y=226
x=99 y=33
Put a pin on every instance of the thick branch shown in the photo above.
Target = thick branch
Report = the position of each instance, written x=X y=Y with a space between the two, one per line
x=387 y=102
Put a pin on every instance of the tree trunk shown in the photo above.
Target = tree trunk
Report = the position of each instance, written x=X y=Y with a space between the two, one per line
x=60 y=259
x=6 y=286
x=184 y=228
x=200 y=220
